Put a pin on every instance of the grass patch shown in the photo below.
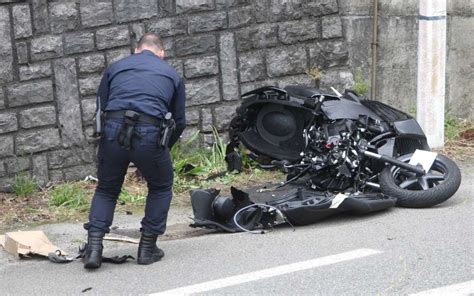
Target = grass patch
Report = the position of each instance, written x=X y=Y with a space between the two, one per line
x=24 y=185
x=68 y=195
x=128 y=197
x=361 y=86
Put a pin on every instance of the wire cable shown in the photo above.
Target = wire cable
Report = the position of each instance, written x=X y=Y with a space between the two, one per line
x=260 y=206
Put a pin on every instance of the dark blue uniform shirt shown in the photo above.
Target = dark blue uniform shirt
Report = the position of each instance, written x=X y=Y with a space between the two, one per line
x=144 y=83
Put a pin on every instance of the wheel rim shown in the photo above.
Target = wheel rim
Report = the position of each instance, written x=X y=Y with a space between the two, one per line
x=437 y=174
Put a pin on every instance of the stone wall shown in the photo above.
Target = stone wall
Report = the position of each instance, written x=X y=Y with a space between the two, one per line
x=52 y=54
x=397 y=51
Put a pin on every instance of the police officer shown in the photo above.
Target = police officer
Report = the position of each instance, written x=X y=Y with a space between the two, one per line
x=136 y=93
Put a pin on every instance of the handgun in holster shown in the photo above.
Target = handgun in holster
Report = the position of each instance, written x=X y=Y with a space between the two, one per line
x=99 y=120
x=128 y=132
x=167 y=129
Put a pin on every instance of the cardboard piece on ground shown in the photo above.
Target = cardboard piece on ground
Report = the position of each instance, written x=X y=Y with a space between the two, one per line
x=28 y=243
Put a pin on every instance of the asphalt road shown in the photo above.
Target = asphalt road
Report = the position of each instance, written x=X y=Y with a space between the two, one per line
x=396 y=252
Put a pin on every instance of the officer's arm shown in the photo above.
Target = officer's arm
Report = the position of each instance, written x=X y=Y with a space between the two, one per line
x=103 y=91
x=177 y=107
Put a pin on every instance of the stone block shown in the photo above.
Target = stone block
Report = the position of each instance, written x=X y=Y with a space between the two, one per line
x=3 y=172
x=252 y=66
x=63 y=16
x=26 y=93
x=399 y=93
x=355 y=7
x=6 y=56
x=226 y=4
x=2 y=99
x=404 y=7
x=206 y=120
x=115 y=55
x=228 y=70
x=459 y=67
x=283 y=10
x=166 y=8
x=40 y=169
x=8 y=122
x=398 y=43
x=337 y=78
x=96 y=13
x=78 y=42
x=358 y=36
x=38 y=116
x=63 y=158
x=177 y=64
x=328 y=54
x=56 y=176
x=320 y=7
x=241 y=17
x=40 y=16
x=187 y=134
x=112 y=37
x=249 y=86
x=126 y=11
x=168 y=26
x=137 y=30
x=257 y=37
x=286 y=61
x=192 y=118
x=88 y=110
x=301 y=79
x=208 y=139
x=6 y=146
x=184 y=6
x=35 y=70
x=460 y=8
x=68 y=104
x=223 y=115
x=261 y=9
x=91 y=63
x=332 y=27
x=195 y=45
x=168 y=43
x=21 y=52
x=298 y=31
x=46 y=47
x=37 y=140
x=201 y=66
x=202 y=91
x=207 y=22
x=22 y=21
x=17 y=164
x=79 y=172
x=89 y=84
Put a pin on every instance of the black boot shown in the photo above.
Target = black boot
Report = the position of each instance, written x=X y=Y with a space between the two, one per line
x=93 y=253
x=148 y=252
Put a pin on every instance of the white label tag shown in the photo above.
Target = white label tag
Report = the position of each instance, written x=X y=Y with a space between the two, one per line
x=338 y=199
x=425 y=158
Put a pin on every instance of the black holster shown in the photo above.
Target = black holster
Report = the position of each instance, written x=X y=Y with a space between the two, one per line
x=127 y=132
x=167 y=129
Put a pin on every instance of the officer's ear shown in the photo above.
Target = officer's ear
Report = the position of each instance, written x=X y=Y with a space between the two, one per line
x=161 y=53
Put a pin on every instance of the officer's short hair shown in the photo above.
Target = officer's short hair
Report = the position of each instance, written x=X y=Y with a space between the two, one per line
x=151 y=39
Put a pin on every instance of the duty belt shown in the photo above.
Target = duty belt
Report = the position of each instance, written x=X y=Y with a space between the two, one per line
x=142 y=117
x=131 y=118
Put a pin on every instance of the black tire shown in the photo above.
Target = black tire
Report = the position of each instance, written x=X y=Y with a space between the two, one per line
x=430 y=190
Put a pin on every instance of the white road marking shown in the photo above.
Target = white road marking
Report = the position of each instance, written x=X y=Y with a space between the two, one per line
x=466 y=288
x=268 y=273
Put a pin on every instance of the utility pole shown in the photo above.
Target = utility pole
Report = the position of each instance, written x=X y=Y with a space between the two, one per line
x=432 y=70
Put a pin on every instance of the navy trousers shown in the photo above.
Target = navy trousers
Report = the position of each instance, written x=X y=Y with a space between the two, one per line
x=151 y=159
